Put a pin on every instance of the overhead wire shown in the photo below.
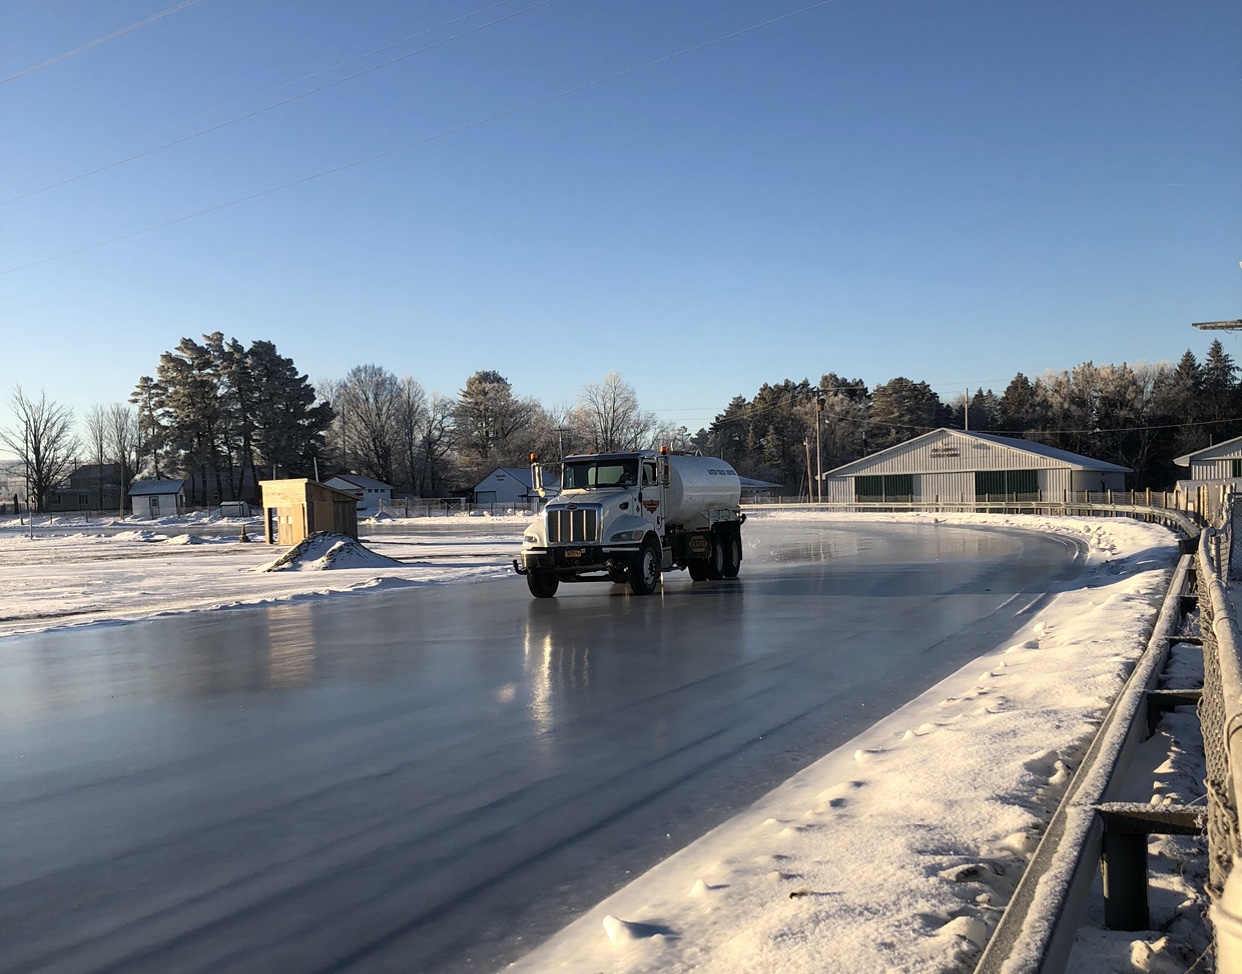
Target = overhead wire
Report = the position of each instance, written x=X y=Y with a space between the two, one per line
x=260 y=94
x=435 y=137
x=280 y=104
x=100 y=40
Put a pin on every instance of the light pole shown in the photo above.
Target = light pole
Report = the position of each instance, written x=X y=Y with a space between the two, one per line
x=1234 y=325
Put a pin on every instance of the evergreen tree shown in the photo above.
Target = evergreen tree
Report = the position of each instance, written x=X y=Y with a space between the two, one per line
x=488 y=419
x=902 y=409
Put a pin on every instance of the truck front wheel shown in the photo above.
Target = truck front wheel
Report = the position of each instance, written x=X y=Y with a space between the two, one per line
x=645 y=575
x=542 y=585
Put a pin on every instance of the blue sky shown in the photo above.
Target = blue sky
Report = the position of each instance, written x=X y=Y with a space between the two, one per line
x=949 y=191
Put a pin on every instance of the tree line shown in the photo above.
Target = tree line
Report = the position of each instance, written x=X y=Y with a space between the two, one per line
x=1141 y=416
x=227 y=415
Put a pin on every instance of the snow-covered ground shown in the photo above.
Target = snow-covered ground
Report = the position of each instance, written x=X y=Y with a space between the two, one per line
x=896 y=852
x=75 y=574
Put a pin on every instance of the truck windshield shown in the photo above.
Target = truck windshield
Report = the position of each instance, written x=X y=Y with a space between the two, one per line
x=599 y=473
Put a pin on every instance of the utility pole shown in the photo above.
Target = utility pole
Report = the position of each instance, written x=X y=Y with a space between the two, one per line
x=806 y=445
x=819 y=470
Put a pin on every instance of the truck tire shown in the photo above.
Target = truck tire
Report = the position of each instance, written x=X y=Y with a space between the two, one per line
x=645 y=575
x=732 y=554
x=716 y=560
x=697 y=569
x=542 y=585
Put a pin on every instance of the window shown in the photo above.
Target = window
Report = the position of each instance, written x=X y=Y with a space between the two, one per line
x=1237 y=467
x=608 y=473
x=1006 y=483
x=890 y=487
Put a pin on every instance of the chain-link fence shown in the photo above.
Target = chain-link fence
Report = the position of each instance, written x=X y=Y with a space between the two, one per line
x=1220 y=714
x=1222 y=807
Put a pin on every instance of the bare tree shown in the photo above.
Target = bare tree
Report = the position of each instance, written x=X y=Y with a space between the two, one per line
x=43 y=441
x=122 y=439
x=368 y=406
x=436 y=442
x=96 y=423
x=608 y=416
x=411 y=416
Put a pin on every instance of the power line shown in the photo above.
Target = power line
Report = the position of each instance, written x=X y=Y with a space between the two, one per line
x=446 y=133
x=267 y=91
x=280 y=104
x=101 y=40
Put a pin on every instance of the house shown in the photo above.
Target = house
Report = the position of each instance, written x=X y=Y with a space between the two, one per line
x=295 y=509
x=157 y=498
x=511 y=487
x=956 y=466
x=90 y=487
x=371 y=495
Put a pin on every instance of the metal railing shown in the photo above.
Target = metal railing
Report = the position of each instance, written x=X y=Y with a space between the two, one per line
x=1037 y=931
x=1188 y=522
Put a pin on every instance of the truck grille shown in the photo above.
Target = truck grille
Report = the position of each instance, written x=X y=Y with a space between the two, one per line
x=576 y=526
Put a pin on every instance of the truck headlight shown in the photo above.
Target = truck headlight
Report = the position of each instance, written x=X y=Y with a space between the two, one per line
x=636 y=535
x=532 y=539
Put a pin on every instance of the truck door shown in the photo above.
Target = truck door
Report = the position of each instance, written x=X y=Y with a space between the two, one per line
x=652 y=496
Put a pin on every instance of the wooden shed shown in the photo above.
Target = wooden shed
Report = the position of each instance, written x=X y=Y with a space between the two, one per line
x=295 y=509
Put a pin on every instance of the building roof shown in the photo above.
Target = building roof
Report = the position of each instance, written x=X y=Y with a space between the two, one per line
x=142 y=488
x=522 y=476
x=360 y=480
x=1217 y=451
x=1075 y=461
x=749 y=483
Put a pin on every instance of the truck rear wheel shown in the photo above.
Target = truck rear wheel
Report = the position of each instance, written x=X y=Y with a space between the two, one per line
x=732 y=554
x=542 y=585
x=645 y=575
x=697 y=569
x=716 y=561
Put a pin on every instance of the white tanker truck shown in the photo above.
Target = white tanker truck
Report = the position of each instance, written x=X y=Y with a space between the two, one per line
x=627 y=517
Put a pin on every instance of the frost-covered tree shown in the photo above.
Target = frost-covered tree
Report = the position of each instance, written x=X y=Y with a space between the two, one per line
x=367 y=403
x=608 y=418
x=490 y=421
x=282 y=420
x=902 y=408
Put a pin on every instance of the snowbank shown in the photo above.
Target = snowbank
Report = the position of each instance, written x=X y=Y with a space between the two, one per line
x=324 y=550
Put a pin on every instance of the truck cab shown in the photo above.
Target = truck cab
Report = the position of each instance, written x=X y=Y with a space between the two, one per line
x=614 y=521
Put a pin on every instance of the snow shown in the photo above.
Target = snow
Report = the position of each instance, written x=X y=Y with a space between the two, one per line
x=111 y=572
x=900 y=850
x=324 y=550
x=896 y=852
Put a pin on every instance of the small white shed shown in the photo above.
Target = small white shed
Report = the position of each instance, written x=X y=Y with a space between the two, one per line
x=157 y=498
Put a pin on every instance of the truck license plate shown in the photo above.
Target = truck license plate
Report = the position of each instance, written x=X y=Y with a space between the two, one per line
x=574 y=552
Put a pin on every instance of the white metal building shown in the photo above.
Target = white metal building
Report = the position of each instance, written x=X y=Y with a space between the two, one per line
x=511 y=486
x=955 y=466
x=1222 y=462
x=371 y=494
